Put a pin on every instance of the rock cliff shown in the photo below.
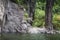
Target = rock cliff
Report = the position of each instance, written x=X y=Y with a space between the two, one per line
x=11 y=16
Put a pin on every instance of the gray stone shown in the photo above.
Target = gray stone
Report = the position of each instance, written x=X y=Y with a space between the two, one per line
x=1 y=10
x=36 y=30
x=13 y=16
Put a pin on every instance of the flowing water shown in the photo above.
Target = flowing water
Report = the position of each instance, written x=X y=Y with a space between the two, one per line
x=30 y=37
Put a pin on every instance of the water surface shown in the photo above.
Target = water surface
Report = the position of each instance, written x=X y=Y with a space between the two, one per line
x=30 y=37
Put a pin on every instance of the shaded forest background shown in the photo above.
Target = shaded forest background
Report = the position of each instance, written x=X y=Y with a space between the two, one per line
x=35 y=9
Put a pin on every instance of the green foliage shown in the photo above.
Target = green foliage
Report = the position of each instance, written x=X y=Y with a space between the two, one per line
x=56 y=21
x=39 y=18
x=26 y=15
x=39 y=14
x=40 y=4
x=56 y=8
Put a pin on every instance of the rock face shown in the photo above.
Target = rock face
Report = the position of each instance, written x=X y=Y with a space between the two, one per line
x=1 y=13
x=1 y=10
x=12 y=16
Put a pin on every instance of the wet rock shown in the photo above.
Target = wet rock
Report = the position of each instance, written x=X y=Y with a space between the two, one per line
x=24 y=26
x=33 y=30
x=36 y=30
x=57 y=31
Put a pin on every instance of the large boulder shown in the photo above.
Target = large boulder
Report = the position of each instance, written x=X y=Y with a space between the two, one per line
x=12 y=15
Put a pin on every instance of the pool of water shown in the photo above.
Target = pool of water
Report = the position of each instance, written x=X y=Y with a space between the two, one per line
x=30 y=37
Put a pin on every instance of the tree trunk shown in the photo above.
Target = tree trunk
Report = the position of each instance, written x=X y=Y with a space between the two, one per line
x=31 y=9
x=48 y=14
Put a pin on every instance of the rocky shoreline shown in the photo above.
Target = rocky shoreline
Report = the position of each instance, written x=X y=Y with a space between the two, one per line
x=27 y=28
